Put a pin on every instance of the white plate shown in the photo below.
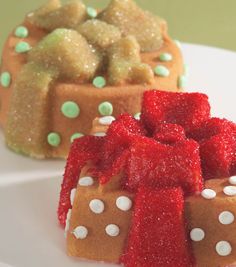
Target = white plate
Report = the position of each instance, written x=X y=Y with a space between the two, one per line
x=29 y=189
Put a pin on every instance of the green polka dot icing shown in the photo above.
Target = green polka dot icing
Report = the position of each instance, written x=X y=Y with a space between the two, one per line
x=22 y=47
x=161 y=71
x=165 y=57
x=70 y=109
x=92 y=12
x=137 y=116
x=105 y=109
x=21 y=32
x=99 y=82
x=54 y=139
x=182 y=81
x=75 y=136
x=5 y=79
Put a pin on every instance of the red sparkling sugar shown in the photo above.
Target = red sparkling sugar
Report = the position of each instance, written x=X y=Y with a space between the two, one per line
x=158 y=237
x=217 y=139
x=158 y=165
x=82 y=150
x=186 y=109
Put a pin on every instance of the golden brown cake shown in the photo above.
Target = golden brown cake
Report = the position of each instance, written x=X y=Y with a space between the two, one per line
x=67 y=64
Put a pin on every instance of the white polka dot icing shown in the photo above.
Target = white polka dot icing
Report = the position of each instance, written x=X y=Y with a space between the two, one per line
x=223 y=248
x=68 y=216
x=197 y=234
x=72 y=196
x=100 y=134
x=208 y=194
x=106 y=120
x=226 y=217
x=80 y=232
x=96 y=206
x=112 y=230
x=232 y=180
x=86 y=181
x=123 y=203
x=230 y=190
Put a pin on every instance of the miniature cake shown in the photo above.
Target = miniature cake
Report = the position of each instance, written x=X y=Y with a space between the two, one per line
x=67 y=64
x=151 y=191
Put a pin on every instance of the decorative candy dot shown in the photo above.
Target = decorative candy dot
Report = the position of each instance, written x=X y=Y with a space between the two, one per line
x=72 y=196
x=21 y=32
x=166 y=57
x=70 y=109
x=99 y=82
x=112 y=230
x=92 y=12
x=107 y=120
x=123 y=203
x=197 y=234
x=22 y=47
x=86 y=181
x=105 y=108
x=208 y=194
x=100 y=134
x=80 y=232
x=161 y=71
x=54 y=139
x=5 y=79
x=96 y=206
x=182 y=81
x=223 y=248
x=75 y=136
x=230 y=190
x=226 y=217
x=137 y=116
x=232 y=180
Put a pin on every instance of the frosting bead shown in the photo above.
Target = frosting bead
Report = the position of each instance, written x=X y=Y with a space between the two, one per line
x=197 y=234
x=22 y=47
x=21 y=32
x=166 y=57
x=86 y=181
x=223 y=248
x=230 y=190
x=100 y=134
x=112 y=230
x=96 y=206
x=75 y=136
x=123 y=203
x=99 y=82
x=80 y=232
x=161 y=71
x=232 y=180
x=68 y=216
x=226 y=217
x=72 y=196
x=107 y=120
x=177 y=42
x=5 y=79
x=105 y=108
x=54 y=139
x=137 y=116
x=92 y=12
x=208 y=194
x=70 y=109
x=182 y=81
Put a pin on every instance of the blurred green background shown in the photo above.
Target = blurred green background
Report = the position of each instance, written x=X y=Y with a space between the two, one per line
x=209 y=22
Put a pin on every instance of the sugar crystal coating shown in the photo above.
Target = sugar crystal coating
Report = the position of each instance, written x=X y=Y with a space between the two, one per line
x=132 y=20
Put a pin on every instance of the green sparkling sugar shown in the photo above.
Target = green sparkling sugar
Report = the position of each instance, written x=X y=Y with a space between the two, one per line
x=22 y=47
x=75 y=136
x=99 y=82
x=166 y=57
x=92 y=12
x=5 y=79
x=162 y=71
x=54 y=139
x=70 y=109
x=182 y=81
x=105 y=109
x=21 y=32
